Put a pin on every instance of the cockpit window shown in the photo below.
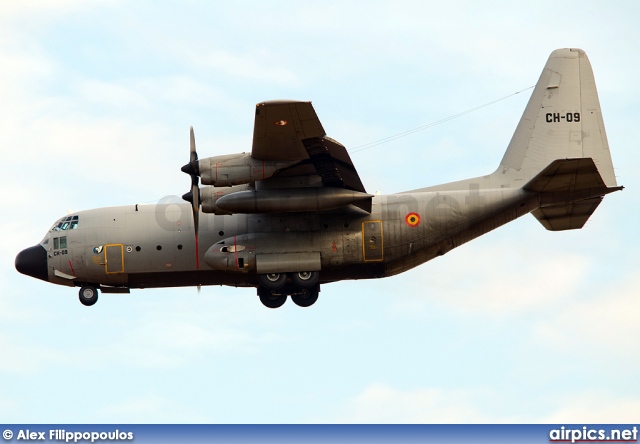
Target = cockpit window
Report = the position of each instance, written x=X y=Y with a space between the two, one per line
x=66 y=223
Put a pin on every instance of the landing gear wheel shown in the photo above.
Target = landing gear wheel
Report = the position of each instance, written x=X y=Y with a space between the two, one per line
x=305 y=279
x=306 y=298
x=271 y=300
x=88 y=295
x=272 y=281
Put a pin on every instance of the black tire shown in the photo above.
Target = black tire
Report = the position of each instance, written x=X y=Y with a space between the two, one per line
x=88 y=295
x=272 y=281
x=307 y=298
x=305 y=279
x=271 y=300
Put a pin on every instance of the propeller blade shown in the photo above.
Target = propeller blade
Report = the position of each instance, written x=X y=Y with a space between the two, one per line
x=193 y=196
x=195 y=200
x=192 y=146
x=192 y=168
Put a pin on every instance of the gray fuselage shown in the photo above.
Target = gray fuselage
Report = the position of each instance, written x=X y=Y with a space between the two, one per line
x=144 y=246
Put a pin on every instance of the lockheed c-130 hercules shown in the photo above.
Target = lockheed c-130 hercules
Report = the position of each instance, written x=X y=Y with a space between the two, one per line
x=293 y=214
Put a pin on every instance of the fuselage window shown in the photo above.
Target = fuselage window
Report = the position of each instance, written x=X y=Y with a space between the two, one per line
x=63 y=242
x=56 y=243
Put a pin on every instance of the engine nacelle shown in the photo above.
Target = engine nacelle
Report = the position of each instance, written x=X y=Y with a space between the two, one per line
x=236 y=169
x=209 y=197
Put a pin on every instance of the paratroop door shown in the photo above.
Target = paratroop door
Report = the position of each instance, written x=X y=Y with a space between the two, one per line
x=114 y=258
x=372 y=242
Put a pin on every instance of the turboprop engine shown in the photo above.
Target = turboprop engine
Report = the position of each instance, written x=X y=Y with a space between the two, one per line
x=236 y=169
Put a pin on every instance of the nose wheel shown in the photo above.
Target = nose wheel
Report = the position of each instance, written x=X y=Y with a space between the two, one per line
x=88 y=295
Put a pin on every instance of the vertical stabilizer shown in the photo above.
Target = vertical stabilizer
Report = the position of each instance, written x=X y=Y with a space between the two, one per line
x=561 y=121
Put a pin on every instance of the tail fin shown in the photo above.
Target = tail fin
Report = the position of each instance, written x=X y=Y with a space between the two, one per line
x=561 y=121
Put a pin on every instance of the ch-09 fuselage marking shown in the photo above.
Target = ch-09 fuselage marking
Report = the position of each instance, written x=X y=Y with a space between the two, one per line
x=293 y=214
x=558 y=117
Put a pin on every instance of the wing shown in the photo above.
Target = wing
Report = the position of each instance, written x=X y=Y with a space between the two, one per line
x=287 y=130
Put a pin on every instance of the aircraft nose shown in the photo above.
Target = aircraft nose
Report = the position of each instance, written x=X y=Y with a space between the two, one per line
x=33 y=262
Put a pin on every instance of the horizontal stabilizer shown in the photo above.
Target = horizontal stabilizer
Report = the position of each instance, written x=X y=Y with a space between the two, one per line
x=570 y=191
x=569 y=180
x=567 y=217
x=566 y=175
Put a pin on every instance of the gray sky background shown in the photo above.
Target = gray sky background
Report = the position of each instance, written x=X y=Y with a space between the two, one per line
x=521 y=325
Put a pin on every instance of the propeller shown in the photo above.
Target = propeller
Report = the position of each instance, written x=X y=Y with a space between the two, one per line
x=193 y=196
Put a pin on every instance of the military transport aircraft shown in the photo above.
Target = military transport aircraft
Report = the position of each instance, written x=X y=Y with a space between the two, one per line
x=293 y=214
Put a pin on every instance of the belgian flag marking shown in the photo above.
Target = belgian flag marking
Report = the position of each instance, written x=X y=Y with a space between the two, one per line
x=412 y=219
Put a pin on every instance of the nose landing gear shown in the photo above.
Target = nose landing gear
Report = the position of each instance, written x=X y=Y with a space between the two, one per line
x=88 y=295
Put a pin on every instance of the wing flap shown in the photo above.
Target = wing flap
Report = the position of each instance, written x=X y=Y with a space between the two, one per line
x=333 y=164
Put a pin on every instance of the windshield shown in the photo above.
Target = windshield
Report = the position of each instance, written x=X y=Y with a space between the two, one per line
x=66 y=223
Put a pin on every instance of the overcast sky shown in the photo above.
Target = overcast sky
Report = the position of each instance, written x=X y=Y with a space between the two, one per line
x=520 y=325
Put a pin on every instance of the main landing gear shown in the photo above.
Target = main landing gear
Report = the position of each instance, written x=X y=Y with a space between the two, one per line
x=303 y=289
